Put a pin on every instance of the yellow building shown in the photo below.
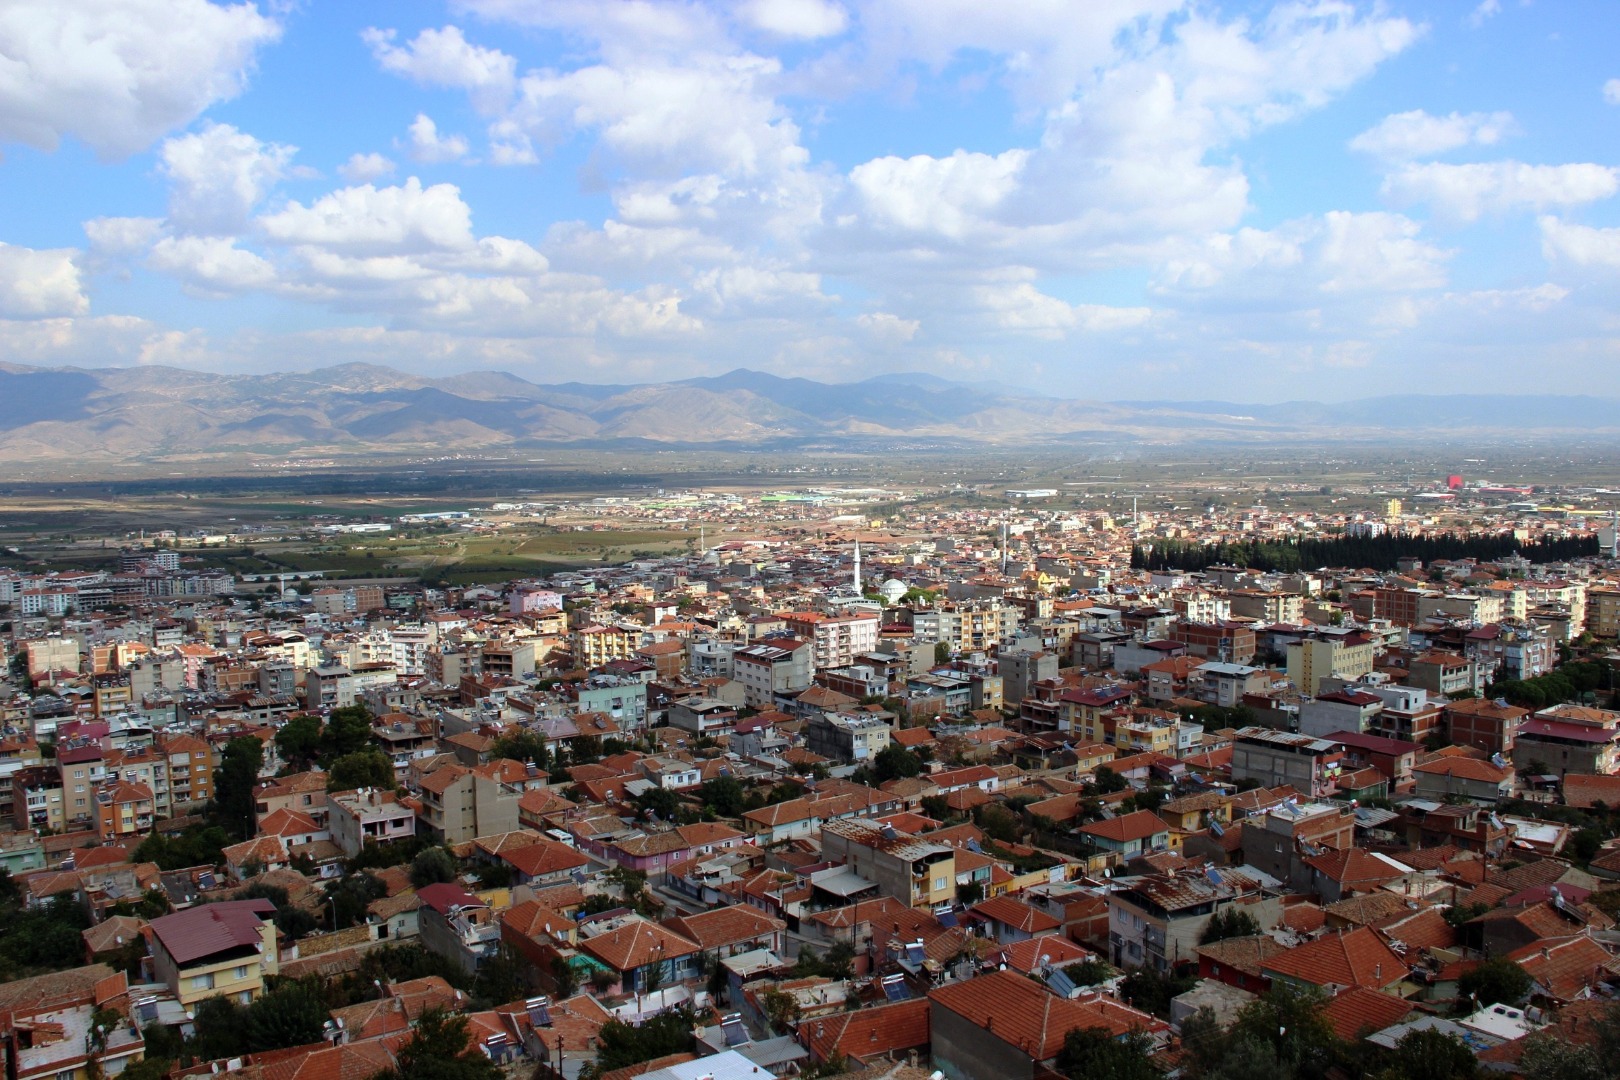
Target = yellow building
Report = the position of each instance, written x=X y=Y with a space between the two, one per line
x=217 y=950
x=1311 y=660
x=1603 y=612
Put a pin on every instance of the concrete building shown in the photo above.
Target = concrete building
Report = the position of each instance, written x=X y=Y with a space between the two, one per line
x=847 y=737
x=459 y=804
x=367 y=816
x=772 y=669
x=217 y=950
x=913 y=870
x=835 y=640
x=1273 y=758
x=1336 y=656
x=457 y=926
x=1021 y=669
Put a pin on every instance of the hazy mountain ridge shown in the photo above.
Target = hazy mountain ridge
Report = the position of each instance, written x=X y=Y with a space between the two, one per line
x=119 y=413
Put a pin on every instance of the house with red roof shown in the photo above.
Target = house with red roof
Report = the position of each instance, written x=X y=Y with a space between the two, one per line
x=1007 y=1025
x=224 y=949
x=1358 y=957
x=1115 y=840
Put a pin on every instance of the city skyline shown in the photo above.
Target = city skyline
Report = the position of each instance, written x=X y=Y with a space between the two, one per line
x=1132 y=199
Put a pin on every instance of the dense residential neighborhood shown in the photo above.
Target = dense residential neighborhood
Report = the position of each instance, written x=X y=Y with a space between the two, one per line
x=976 y=793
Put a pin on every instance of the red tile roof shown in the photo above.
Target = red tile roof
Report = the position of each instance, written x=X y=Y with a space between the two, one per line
x=868 y=1032
x=1359 y=1011
x=214 y=928
x=1352 y=958
x=1025 y=1015
x=1138 y=825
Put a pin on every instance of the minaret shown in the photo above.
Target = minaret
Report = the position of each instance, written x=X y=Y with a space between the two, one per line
x=857 y=568
x=1003 y=549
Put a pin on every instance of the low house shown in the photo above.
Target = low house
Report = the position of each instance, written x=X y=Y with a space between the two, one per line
x=1006 y=1025
x=1115 y=840
x=642 y=954
x=731 y=930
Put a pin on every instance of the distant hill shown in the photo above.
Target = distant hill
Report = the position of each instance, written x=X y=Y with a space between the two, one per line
x=107 y=414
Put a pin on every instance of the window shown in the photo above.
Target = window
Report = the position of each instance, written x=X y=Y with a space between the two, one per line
x=202 y=982
x=242 y=971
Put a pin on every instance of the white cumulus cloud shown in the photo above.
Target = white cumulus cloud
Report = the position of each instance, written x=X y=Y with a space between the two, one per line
x=888 y=328
x=218 y=175
x=369 y=220
x=806 y=19
x=1581 y=245
x=120 y=74
x=40 y=283
x=429 y=147
x=446 y=58
x=1468 y=192
x=1418 y=134
x=364 y=168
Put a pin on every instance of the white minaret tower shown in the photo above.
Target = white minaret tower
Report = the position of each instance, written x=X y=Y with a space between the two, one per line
x=857 y=568
x=1003 y=549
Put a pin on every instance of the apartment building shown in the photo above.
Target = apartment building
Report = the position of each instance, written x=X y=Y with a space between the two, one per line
x=835 y=640
x=368 y=816
x=1329 y=656
x=851 y=737
x=1309 y=765
x=594 y=646
x=1227 y=642
x=913 y=870
x=217 y=950
x=1491 y=726
x=772 y=668
x=459 y=804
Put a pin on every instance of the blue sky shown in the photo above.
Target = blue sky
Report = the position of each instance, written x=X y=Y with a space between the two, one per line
x=1103 y=198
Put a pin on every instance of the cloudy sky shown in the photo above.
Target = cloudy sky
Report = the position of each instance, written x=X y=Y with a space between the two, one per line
x=1108 y=198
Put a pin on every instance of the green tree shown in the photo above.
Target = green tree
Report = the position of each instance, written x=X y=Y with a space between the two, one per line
x=1548 y=1057
x=620 y=1045
x=724 y=795
x=1289 y=1021
x=518 y=744
x=782 y=1010
x=1090 y=972
x=1107 y=781
x=1430 y=1055
x=363 y=768
x=942 y=652
x=348 y=897
x=1495 y=981
x=299 y=741
x=432 y=866
x=659 y=801
x=440 y=1049
x=292 y=1014
x=999 y=823
x=500 y=978
x=564 y=979
x=348 y=731
x=1229 y=922
x=219 y=1029
x=895 y=762
x=1094 y=1054
x=234 y=780
x=1151 y=990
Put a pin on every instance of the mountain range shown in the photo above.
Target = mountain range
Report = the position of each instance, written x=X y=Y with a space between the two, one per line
x=117 y=414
